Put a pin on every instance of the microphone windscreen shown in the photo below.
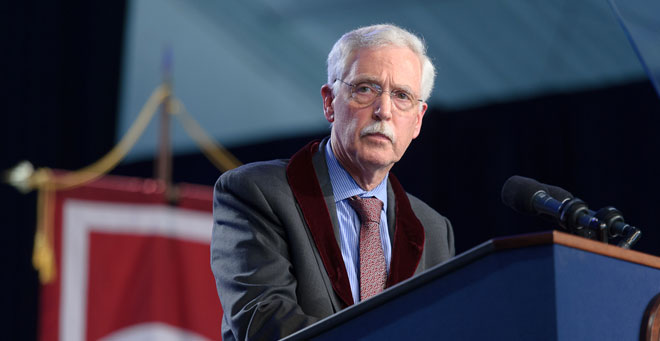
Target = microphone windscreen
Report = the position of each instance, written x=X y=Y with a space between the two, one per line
x=518 y=191
x=558 y=193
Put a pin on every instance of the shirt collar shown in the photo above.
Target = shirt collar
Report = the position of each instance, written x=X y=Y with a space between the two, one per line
x=343 y=185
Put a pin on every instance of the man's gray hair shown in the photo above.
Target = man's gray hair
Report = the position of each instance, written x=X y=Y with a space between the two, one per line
x=378 y=36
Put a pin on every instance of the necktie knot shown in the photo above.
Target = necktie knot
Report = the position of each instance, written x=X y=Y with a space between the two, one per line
x=368 y=209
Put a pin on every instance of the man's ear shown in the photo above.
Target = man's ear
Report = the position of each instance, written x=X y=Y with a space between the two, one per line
x=418 y=122
x=328 y=107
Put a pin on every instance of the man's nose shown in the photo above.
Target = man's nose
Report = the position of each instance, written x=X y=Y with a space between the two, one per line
x=383 y=106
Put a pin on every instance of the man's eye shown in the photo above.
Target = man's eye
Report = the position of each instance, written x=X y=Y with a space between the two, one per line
x=402 y=95
x=363 y=89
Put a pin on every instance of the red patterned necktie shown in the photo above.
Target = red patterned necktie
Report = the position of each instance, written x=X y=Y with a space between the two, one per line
x=373 y=270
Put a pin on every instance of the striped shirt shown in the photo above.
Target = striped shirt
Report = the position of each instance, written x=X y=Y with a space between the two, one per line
x=344 y=187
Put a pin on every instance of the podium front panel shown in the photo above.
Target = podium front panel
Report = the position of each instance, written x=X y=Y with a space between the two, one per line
x=543 y=292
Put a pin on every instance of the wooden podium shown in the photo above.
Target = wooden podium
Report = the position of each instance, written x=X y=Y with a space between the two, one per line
x=545 y=286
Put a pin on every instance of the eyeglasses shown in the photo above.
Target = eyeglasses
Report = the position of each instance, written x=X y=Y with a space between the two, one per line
x=365 y=93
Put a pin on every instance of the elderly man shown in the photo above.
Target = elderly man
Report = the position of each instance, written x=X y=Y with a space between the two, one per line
x=297 y=240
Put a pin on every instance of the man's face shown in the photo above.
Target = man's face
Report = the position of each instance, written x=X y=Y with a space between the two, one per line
x=393 y=68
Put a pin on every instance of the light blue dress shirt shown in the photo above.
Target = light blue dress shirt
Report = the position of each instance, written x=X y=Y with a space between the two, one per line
x=344 y=187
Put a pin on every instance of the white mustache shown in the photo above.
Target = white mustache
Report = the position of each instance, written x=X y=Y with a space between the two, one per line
x=378 y=127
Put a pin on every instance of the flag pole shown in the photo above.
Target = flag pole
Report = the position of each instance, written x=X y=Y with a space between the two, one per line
x=163 y=171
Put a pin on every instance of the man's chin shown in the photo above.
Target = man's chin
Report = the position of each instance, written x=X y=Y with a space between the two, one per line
x=377 y=159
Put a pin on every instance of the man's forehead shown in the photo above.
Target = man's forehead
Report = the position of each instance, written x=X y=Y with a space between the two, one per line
x=386 y=64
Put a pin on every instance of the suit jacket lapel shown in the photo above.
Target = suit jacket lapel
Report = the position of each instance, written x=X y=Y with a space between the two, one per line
x=321 y=170
x=306 y=188
x=408 y=237
x=391 y=208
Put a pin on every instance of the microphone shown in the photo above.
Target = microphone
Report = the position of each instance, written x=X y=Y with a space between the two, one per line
x=528 y=196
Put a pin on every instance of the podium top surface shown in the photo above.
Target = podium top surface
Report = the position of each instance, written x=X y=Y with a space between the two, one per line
x=565 y=239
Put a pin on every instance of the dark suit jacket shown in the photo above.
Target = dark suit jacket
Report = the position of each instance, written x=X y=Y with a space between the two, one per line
x=275 y=248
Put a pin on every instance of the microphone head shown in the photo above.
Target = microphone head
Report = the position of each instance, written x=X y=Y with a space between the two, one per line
x=518 y=193
x=558 y=193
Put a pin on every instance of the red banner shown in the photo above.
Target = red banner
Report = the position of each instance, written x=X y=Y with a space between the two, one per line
x=130 y=266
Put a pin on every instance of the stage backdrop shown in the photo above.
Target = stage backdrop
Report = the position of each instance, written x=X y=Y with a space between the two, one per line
x=130 y=265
